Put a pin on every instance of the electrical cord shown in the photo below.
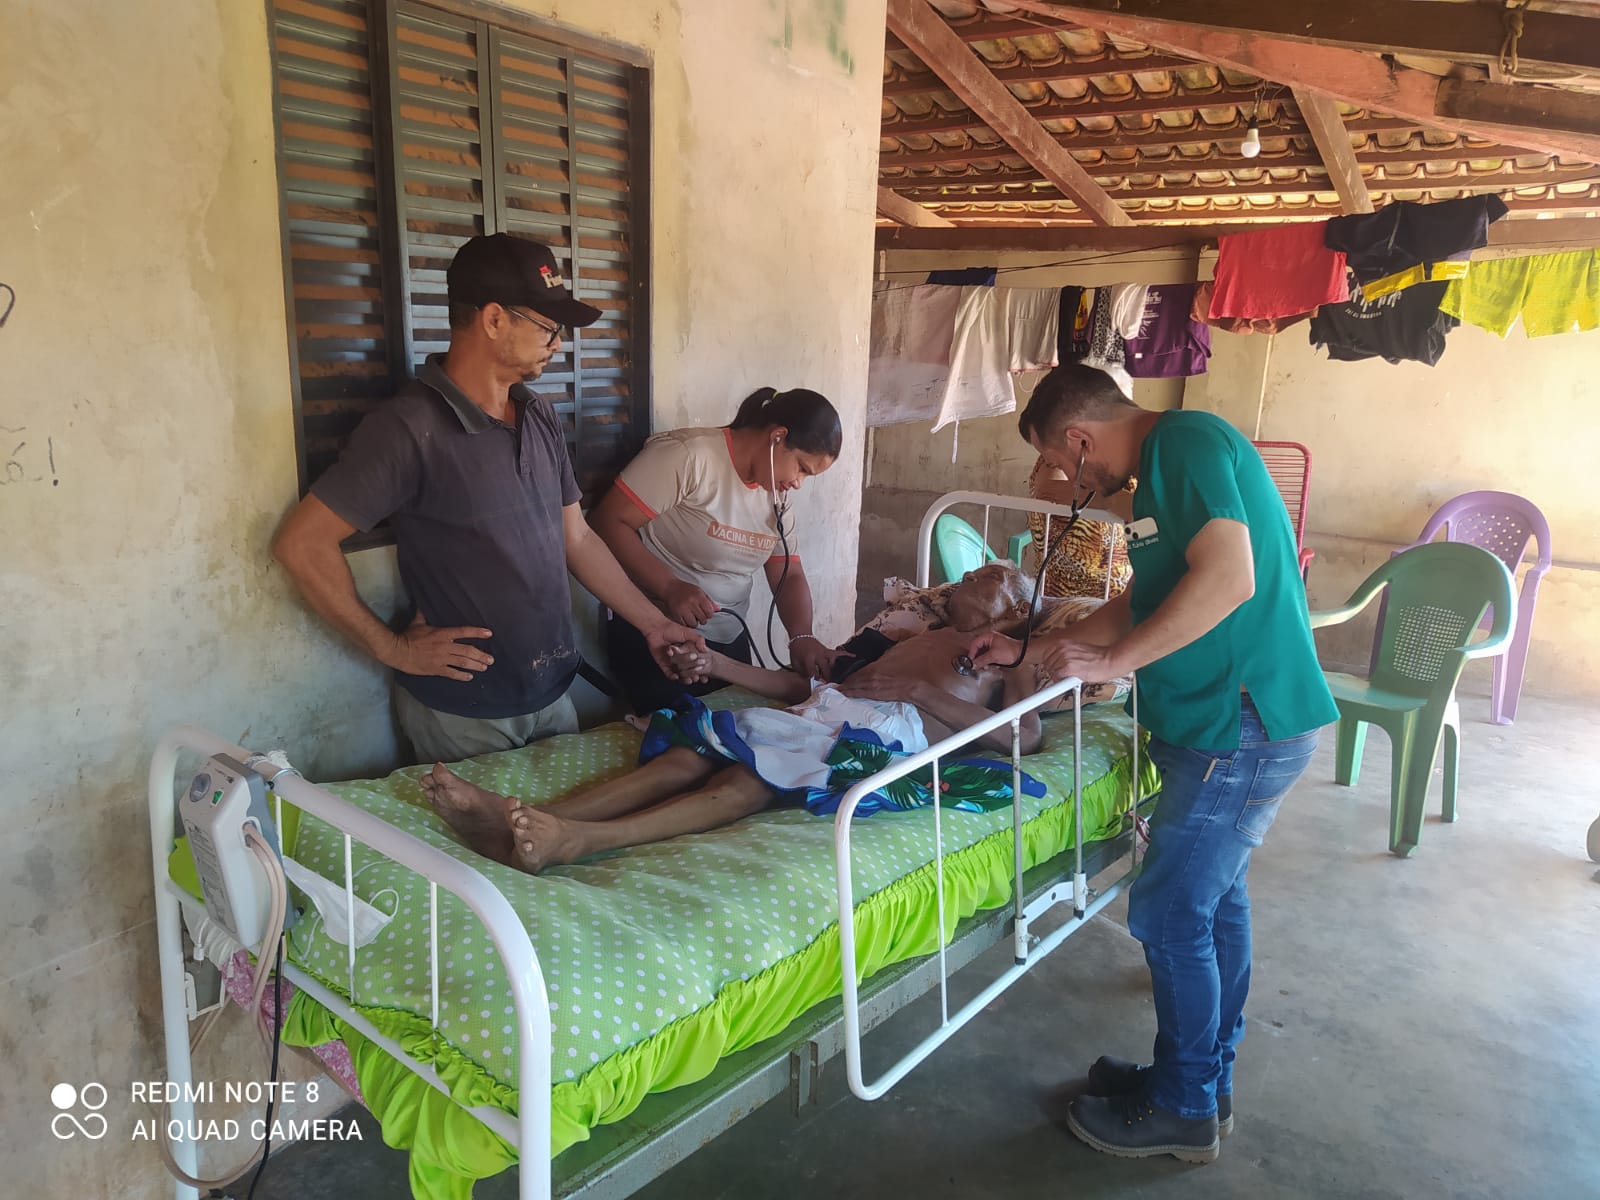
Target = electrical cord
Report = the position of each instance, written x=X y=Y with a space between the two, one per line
x=277 y=1045
x=278 y=889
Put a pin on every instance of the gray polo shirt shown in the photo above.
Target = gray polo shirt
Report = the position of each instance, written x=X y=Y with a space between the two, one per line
x=476 y=509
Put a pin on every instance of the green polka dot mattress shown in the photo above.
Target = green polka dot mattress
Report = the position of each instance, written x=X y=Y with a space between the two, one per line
x=659 y=959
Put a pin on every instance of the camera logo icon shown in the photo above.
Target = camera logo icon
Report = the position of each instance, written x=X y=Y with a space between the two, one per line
x=69 y=1101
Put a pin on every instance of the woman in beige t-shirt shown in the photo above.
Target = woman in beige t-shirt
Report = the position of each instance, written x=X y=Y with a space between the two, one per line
x=695 y=516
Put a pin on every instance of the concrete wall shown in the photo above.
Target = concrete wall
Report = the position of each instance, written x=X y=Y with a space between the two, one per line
x=144 y=396
x=908 y=467
x=1390 y=443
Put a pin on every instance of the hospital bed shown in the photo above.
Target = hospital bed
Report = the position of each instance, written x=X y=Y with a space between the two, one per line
x=597 y=1023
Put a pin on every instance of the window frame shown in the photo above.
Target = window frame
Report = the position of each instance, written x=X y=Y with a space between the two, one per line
x=382 y=18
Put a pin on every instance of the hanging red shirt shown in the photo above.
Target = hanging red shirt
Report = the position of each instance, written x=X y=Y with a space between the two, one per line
x=1281 y=271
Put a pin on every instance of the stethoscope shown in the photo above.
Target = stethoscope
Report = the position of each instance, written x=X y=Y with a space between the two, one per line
x=962 y=663
x=780 y=512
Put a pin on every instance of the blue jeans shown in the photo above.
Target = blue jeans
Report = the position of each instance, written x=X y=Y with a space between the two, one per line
x=1190 y=907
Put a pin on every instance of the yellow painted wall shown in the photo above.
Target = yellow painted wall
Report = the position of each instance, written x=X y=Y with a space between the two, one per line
x=144 y=396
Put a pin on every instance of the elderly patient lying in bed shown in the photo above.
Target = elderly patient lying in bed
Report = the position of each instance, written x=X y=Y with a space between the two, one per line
x=912 y=694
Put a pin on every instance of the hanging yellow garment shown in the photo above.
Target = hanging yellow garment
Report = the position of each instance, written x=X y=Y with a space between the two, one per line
x=1552 y=293
x=1427 y=272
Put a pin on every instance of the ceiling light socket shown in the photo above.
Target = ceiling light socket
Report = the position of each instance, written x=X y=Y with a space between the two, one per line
x=1251 y=146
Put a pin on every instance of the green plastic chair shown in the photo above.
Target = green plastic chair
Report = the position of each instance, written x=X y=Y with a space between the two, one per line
x=1437 y=595
x=961 y=548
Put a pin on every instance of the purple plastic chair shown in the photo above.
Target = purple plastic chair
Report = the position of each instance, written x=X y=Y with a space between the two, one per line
x=1502 y=524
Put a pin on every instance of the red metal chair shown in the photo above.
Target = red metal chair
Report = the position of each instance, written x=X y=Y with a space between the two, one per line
x=1289 y=464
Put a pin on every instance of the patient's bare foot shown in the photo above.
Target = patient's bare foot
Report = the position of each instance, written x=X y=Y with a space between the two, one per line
x=541 y=839
x=476 y=814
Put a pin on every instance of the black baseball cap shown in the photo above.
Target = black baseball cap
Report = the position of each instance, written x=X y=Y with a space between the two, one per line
x=501 y=269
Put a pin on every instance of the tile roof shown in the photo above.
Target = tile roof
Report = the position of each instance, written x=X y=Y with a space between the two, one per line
x=1162 y=135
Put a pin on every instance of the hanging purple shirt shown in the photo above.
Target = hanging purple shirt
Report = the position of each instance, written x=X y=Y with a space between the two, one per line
x=1169 y=345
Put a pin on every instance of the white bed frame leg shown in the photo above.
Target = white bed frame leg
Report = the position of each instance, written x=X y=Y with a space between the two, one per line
x=1080 y=881
x=169 y=943
x=1019 y=929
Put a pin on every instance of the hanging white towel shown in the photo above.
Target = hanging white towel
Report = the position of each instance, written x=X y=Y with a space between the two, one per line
x=1033 y=319
x=980 y=379
x=909 y=362
x=1128 y=301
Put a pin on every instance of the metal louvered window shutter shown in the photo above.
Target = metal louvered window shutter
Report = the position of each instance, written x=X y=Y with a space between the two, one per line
x=405 y=129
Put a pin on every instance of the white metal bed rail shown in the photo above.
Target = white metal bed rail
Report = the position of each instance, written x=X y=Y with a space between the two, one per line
x=989 y=501
x=530 y=1131
x=1025 y=956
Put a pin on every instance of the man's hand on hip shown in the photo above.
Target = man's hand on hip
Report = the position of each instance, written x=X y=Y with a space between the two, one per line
x=426 y=650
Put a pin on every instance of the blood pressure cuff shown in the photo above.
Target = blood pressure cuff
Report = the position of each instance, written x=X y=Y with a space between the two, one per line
x=864 y=648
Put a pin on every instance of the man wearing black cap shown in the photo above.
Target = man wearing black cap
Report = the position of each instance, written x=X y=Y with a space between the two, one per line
x=471 y=469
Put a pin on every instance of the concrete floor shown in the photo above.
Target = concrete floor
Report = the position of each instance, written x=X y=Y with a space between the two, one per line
x=1421 y=1028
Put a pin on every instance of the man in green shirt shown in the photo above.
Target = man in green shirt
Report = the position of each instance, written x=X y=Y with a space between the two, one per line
x=1215 y=624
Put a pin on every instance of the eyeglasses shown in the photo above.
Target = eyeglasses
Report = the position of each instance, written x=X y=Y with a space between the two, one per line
x=553 y=333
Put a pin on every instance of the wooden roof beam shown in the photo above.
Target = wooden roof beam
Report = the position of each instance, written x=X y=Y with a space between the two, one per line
x=1047 y=72
x=1160 y=138
x=1322 y=118
x=924 y=31
x=1466 y=33
x=908 y=212
x=1564 y=233
x=1519 y=105
x=981 y=191
x=990 y=27
x=1056 y=110
x=1349 y=75
x=1117 y=169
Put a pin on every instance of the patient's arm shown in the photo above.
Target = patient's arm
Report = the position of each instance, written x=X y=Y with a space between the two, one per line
x=775 y=685
x=945 y=714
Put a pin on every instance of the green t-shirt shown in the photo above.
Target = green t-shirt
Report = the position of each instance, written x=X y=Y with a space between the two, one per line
x=1195 y=467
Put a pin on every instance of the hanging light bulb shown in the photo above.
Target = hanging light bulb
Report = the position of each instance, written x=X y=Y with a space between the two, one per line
x=1251 y=146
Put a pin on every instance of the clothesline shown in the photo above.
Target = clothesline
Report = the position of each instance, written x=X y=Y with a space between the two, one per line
x=1390 y=284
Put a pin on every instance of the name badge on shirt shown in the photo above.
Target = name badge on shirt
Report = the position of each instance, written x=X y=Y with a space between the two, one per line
x=1142 y=531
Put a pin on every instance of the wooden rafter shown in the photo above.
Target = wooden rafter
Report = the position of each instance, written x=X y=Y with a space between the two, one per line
x=1133 y=104
x=1349 y=75
x=1200 y=211
x=916 y=24
x=1322 y=118
x=1162 y=138
x=1045 y=73
x=1520 y=105
x=907 y=212
x=989 y=27
x=978 y=192
x=896 y=172
x=1466 y=33
x=1562 y=233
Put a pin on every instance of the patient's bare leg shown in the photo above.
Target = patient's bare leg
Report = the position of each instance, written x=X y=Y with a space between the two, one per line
x=477 y=815
x=669 y=773
x=541 y=839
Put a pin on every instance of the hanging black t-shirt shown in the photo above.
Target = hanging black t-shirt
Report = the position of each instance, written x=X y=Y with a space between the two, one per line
x=1402 y=325
x=1072 y=344
x=1404 y=234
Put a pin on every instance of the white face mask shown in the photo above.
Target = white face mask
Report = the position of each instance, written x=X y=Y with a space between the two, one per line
x=330 y=899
